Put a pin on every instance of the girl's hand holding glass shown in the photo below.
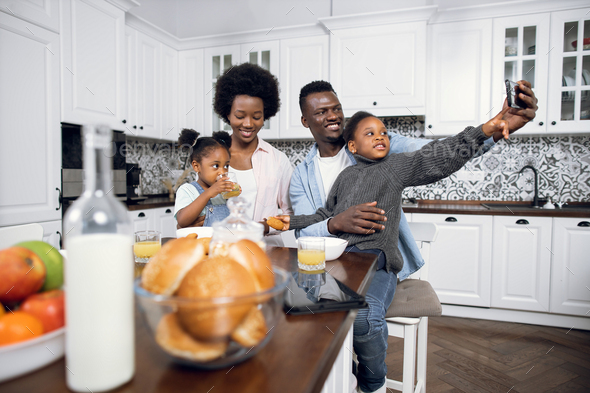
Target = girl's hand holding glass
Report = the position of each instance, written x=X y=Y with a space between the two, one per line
x=235 y=189
x=221 y=185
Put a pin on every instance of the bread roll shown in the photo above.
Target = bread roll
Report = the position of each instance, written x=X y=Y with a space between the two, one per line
x=205 y=242
x=275 y=223
x=254 y=259
x=214 y=277
x=165 y=270
x=252 y=330
x=174 y=340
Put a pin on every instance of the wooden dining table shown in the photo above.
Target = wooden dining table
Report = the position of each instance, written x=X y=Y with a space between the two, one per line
x=297 y=359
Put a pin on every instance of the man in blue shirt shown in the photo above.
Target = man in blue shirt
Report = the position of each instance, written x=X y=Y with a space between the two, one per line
x=310 y=185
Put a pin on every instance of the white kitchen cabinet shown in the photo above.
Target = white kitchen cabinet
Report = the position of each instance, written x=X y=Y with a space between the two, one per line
x=169 y=93
x=165 y=221
x=43 y=13
x=190 y=103
x=266 y=55
x=142 y=220
x=92 y=69
x=380 y=69
x=461 y=258
x=146 y=119
x=570 y=270
x=521 y=263
x=459 y=73
x=30 y=152
x=302 y=60
x=156 y=219
x=217 y=60
x=520 y=51
x=52 y=233
x=569 y=80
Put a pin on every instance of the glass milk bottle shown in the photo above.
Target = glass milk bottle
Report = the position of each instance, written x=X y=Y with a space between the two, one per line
x=99 y=268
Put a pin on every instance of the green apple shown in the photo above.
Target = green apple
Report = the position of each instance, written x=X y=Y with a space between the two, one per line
x=53 y=261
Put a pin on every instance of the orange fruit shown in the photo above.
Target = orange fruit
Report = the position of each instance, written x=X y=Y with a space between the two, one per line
x=2 y=311
x=19 y=326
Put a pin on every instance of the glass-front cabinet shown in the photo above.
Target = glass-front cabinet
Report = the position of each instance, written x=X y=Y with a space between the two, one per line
x=217 y=60
x=569 y=81
x=521 y=46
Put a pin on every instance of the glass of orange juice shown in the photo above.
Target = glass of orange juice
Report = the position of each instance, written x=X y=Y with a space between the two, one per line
x=147 y=244
x=311 y=253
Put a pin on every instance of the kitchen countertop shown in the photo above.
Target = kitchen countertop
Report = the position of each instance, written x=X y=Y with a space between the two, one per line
x=151 y=202
x=475 y=207
x=297 y=359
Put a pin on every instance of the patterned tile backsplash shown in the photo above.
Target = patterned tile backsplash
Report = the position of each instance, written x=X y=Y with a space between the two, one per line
x=563 y=163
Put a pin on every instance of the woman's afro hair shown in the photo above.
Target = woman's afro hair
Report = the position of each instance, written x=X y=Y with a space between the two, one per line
x=246 y=79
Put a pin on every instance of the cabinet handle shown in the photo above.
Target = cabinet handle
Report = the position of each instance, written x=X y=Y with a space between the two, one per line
x=584 y=224
x=374 y=102
x=522 y=222
x=135 y=127
x=541 y=123
x=59 y=233
x=430 y=126
x=450 y=219
x=59 y=198
x=168 y=211
x=141 y=128
x=553 y=123
x=142 y=214
x=124 y=121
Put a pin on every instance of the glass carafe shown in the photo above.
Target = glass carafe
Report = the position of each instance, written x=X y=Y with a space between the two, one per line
x=235 y=227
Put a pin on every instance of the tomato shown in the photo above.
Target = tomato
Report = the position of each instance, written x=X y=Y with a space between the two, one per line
x=19 y=326
x=48 y=307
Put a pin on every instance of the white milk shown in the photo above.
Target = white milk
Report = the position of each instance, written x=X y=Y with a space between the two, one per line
x=100 y=342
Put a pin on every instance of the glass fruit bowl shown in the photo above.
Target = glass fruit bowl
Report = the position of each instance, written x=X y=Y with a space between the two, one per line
x=213 y=333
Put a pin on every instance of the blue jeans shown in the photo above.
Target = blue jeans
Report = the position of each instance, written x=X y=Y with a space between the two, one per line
x=370 y=332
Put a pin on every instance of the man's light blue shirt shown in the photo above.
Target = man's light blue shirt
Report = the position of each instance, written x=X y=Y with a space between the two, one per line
x=307 y=196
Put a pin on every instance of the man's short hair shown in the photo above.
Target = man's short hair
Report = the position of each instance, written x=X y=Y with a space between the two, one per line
x=313 y=87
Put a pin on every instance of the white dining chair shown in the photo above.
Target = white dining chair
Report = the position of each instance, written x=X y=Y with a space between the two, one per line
x=19 y=233
x=407 y=316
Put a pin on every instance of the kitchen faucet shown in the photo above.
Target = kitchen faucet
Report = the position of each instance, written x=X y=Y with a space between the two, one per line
x=536 y=197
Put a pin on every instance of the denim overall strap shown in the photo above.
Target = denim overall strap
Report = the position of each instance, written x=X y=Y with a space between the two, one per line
x=213 y=213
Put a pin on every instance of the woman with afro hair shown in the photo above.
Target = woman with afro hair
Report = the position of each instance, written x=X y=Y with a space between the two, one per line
x=245 y=96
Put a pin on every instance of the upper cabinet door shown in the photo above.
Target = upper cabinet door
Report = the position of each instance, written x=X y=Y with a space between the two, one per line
x=569 y=80
x=148 y=87
x=93 y=41
x=380 y=69
x=217 y=60
x=190 y=105
x=30 y=134
x=303 y=60
x=169 y=93
x=266 y=55
x=44 y=13
x=521 y=47
x=458 y=93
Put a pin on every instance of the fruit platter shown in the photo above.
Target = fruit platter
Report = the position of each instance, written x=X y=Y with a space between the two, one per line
x=31 y=308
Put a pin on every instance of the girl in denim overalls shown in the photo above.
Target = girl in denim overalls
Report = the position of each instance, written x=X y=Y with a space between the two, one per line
x=202 y=198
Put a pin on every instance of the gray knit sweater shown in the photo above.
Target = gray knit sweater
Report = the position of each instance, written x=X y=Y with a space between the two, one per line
x=384 y=180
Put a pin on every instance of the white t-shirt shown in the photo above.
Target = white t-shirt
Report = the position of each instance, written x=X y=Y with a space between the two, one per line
x=247 y=181
x=330 y=168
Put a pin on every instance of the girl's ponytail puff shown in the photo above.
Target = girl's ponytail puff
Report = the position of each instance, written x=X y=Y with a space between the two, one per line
x=188 y=137
x=223 y=138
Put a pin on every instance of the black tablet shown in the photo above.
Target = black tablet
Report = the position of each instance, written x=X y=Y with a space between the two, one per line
x=320 y=292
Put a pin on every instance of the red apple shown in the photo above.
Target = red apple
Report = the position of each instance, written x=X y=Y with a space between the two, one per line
x=23 y=273
x=48 y=307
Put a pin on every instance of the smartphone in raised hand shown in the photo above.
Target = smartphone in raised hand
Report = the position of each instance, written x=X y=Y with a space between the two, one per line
x=511 y=94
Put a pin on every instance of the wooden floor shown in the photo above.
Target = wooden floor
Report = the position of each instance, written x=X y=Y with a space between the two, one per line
x=473 y=355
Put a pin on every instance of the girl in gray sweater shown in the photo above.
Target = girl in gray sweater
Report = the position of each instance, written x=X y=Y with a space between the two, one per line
x=380 y=177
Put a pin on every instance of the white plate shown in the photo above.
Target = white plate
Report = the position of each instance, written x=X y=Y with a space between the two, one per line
x=200 y=231
x=27 y=356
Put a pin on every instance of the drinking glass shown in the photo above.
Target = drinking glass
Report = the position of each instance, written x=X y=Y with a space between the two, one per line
x=311 y=253
x=147 y=244
x=236 y=188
